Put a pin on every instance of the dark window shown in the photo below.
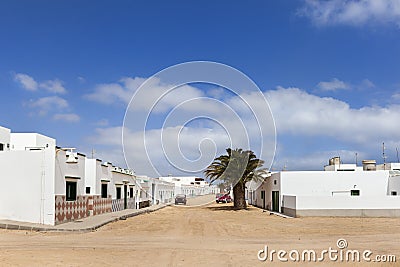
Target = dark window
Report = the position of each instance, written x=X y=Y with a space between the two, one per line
x=118 y=192
x=1 y=147
x=87 y=189
x=262 y=194
x=131 y=192
x=394 y=193
x=355 y=192
x=70 y=191
x=104 y=193
x=274 y=181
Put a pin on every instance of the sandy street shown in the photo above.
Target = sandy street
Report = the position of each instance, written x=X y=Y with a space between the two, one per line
x=199 y=236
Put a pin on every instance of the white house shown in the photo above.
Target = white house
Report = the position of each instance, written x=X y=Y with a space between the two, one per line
x=27 y=168
x=154 y=191
x=46 y=184
x=191 y=185
x=339 y=190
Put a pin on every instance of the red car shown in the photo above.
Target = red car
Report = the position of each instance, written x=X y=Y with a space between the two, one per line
x=223 y=198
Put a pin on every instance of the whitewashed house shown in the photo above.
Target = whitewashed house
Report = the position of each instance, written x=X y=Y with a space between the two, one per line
x=27 y=168
x=339 y=190
x=122 y=189
x=153 y=191
x=46 y=184
x=191 y=185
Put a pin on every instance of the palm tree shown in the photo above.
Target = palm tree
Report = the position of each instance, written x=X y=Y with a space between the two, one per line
x=237 y=168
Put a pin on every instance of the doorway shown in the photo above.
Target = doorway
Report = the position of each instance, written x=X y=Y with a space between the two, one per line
x=125 y=196
x=153 y=191
x=263 y=199
x=275 y=201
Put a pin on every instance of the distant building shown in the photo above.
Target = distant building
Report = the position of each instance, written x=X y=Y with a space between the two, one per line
x=340 y=190
x=191 y=185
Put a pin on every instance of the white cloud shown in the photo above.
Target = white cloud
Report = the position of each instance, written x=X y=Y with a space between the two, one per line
x=45 y=104
x=300 y=113
x=30 y=84
x=53 y=86
x=396 y=96
x=109 y=94
x=68 y=117
x=367 y=84
x=101 y=123
x=26 y=81
x=315 y=160
x=188 y=148
x=351 y=12
x=333 y=85
x=152 y=92
x=298 y=116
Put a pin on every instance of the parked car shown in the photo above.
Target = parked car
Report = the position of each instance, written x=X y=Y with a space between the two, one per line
x=180 y=199
x=223 y=198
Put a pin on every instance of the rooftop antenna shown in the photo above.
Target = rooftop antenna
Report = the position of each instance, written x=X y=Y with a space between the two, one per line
x=285 y=166
x=397 y=152
x=93 y=152
x=356 y=159
x=383 y=156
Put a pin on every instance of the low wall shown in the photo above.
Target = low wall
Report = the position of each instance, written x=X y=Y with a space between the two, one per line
x=84 y=206
x=346 y=206
x=66 y=211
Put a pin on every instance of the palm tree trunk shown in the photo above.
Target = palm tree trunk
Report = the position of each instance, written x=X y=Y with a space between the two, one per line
x=239 y=201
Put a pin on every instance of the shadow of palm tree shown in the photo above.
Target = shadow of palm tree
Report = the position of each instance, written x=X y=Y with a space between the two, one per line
x=223 y=208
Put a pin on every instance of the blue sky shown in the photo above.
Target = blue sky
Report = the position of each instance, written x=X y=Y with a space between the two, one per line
x=330 y=69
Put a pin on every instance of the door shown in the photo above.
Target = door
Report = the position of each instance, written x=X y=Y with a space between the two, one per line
x=275 y=201
x=263 y=199
x=153 y=191
x=125 y=196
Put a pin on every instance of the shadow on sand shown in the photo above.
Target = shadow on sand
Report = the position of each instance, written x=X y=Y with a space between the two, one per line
x=225 y=208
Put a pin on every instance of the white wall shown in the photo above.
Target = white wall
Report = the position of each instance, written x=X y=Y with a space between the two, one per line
x=95 y=172
x=344 y=202
x=164 y=191
x=394 y=185
x=270 y=184
x=64 y=169
x=118 y=180
x=321 y=183
x=22 y=141
x=25 y=183
x=5 y=137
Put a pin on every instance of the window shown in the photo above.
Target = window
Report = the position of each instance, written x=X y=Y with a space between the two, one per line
x=355 y=192
x=263 y=194
x=394 y=193
x=274 y=181
x=87 y=189
x=104 y=193
x=70 y=190
x=1 y=147
x=131 y=192
x=118 y=192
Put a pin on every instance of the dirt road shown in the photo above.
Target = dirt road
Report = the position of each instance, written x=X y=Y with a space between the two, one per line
x=202 y=236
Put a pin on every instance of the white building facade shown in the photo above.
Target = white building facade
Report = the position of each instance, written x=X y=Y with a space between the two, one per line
x=46 y=184
x=339 y=190
x=191 y=185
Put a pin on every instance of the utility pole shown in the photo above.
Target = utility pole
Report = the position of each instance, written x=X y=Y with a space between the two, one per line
x=383 y=156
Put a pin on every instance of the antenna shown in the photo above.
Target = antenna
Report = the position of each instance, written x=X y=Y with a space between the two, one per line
x=397 y=152
x=383 y=156
x=93 y=152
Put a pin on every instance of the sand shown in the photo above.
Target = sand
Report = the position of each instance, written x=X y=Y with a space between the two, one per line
x=199 y=236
